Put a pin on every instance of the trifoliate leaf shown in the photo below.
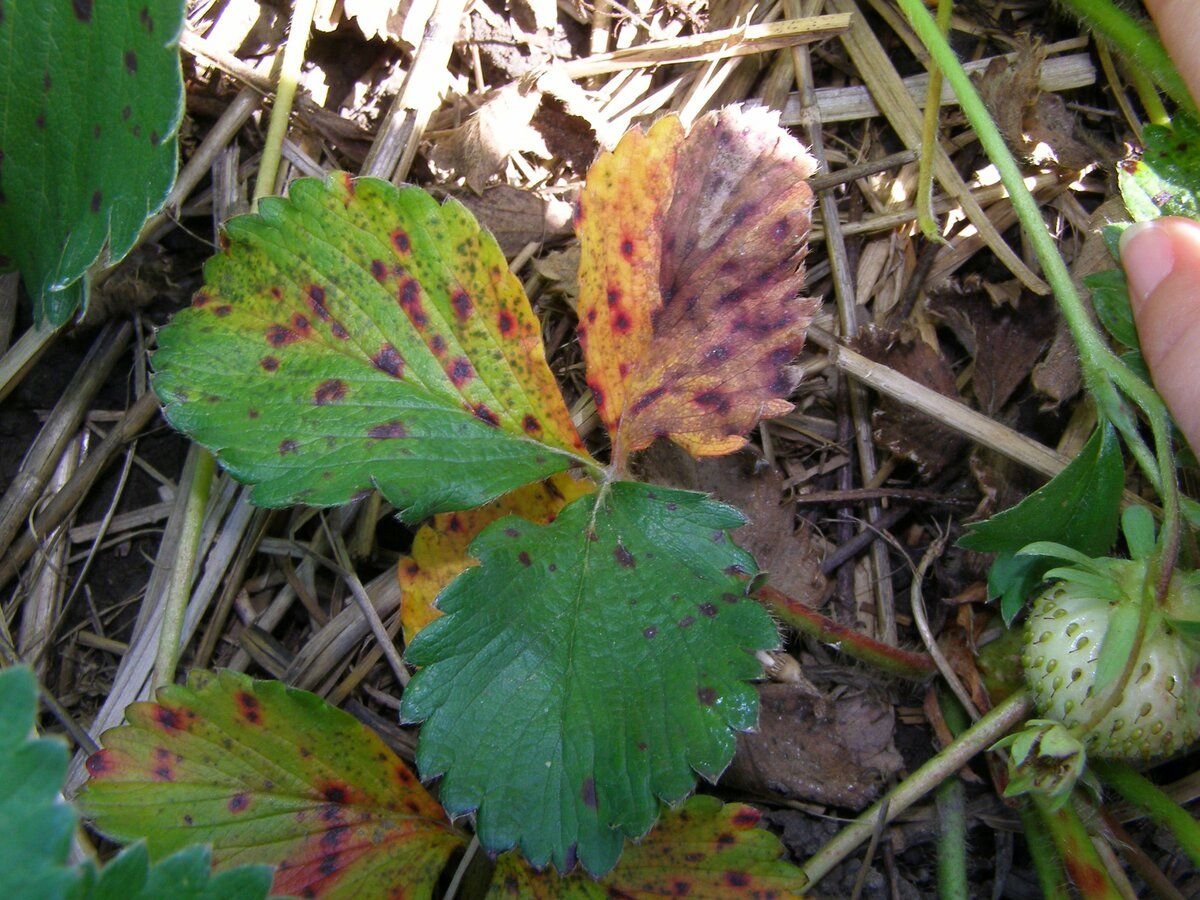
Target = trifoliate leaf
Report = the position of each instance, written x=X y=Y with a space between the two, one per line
x=35 y=823
x=92 y=95
x=359 y=335
x=268 y=774
x=1165 y=179
x=692 y=259
x=704 y=849
x=587 y=669
x=439 y=548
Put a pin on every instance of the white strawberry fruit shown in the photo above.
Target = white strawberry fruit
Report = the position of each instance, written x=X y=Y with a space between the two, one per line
x=1158 y=710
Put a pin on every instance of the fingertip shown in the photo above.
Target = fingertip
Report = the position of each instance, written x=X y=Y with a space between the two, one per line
x=1152 y=251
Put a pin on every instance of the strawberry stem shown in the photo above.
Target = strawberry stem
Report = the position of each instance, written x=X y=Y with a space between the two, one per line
x=1143 y=793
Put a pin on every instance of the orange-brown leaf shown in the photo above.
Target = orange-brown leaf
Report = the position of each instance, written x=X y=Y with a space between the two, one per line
x=693 y=250
x=439 y=550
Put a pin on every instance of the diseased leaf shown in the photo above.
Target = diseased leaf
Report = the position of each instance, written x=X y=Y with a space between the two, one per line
x=588 y=669
x=268 y=774
x=704 y=849
x=439 y=549
x=693 y=251
x=357 y=335
x=92 y=96
x=1165 y=180
x=35 y=823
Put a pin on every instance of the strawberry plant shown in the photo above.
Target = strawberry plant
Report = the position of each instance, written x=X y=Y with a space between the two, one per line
x=357 y=336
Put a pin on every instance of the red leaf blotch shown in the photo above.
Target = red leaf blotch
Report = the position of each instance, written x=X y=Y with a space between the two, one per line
x=460 y=371
x=463 y=307
x=388 y=430
x=400 y=240
x=288 y=446
x=623 y=557
x=99 y=764
x=269 y=363
x=485 y=415
x=316 y=301
x=531 y=425
x=706 y=696
x=389 y=360
x=524 y=559
x=238 y=802
x=506 y=322
x=249 y=707
x=281 y=335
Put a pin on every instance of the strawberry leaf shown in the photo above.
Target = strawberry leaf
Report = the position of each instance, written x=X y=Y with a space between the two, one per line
x=186 y=875
x=704 y=849
x=92 y=96
x=358 y=335
x=587 y=669
x=692 y=257
x=1165 y=180
x=439 y=548
x=268 y=774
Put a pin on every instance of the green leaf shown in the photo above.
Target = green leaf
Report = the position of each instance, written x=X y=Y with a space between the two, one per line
x=702 y=849
x=267 y=774
x=1116 y=646
x=1012 y=578
x=1079 y=507
x=1137 y=524
x=92 y=96
x=587 y=669
x=1165 y=181
x=359 y=335
x=35 y=823
x=186 y=875
x=1110 y=299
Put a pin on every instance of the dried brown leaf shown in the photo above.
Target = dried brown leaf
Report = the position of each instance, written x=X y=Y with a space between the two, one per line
x=479 y=149
x=517 y=217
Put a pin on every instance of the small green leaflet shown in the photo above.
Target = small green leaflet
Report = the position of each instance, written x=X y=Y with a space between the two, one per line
x=1080 y=508
x=92 y=96
x=1110 y=299
x=268 y=774
x=588 y=669
x=36 y=826
x=1165 y=180
x=703 y=849
x=359 y=335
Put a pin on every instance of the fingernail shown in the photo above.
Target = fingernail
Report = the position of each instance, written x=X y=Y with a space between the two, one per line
x=1148 y=254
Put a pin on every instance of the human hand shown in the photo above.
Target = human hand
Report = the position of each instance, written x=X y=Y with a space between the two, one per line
x=1162 y=258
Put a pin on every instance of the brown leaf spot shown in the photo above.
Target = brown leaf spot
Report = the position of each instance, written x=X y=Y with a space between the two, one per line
x=746 y=817
x=713 y=400
x=531 y=425
x=506 y=322
x=646 y=399
x=288 y=446
x=164 y=773
x=681 y=889
x=316 y=301
x=222 y=311
x=735 y=878
x=248 y=706
x=269 y=363
x=252 y=413
x=146 y=19
x=781 y=229
x=410 y=302
x=463 y=307
x=40 y=121
x=389 y=360
x=588 y=792
x=623 y=369
x=512 y=532
x=82 y=10
x=131 y=62
x=378 y=270
x=524 y=559
x=126 y=112
x=98 y=763
x=281 y=335
x=649 y=632
x=338 y=330
x=330 y=391
x=597 y=394
x=724 y=839
x=46 y=81
x=301 y=325
x=621 y=323
x=687 y=621
x=168 y=719
x=335 y=793
x=613 y=296
x=238 y=802
x=485 y=415
x=624 y=557
x=708 y=609
x=400 y=240
x=387 y=431
x=627 y=248
x=460 y=371
x=437 y=344
x=717 y=354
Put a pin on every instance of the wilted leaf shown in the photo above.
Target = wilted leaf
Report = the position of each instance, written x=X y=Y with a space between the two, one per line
x=588 y=669
x=92 y=95
x=268 y=774
x=480 y=147
x=692 y=260
x=704 y=849
x=516 y=217
x=439 y=549
x=357 y=335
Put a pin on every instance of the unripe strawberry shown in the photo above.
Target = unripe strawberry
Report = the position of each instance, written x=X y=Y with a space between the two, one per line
x=1158 y=712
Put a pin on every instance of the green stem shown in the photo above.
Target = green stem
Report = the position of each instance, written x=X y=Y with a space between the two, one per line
x=974 y=740
x=1143 y=50
x=1074 y=845
x=1046 y=861
x=1151 y=103
x=807 y=620
x=1107 y=377
x=1144 y=794
x=285 y=93
x=952 y=842
x=929 y=136
x=179 y=586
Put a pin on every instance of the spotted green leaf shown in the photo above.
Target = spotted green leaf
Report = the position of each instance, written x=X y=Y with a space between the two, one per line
x=91 y=94
x=588 y=669
x=704 y=850
x=1164 y=179
x=268 y=774
x=359 y=335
